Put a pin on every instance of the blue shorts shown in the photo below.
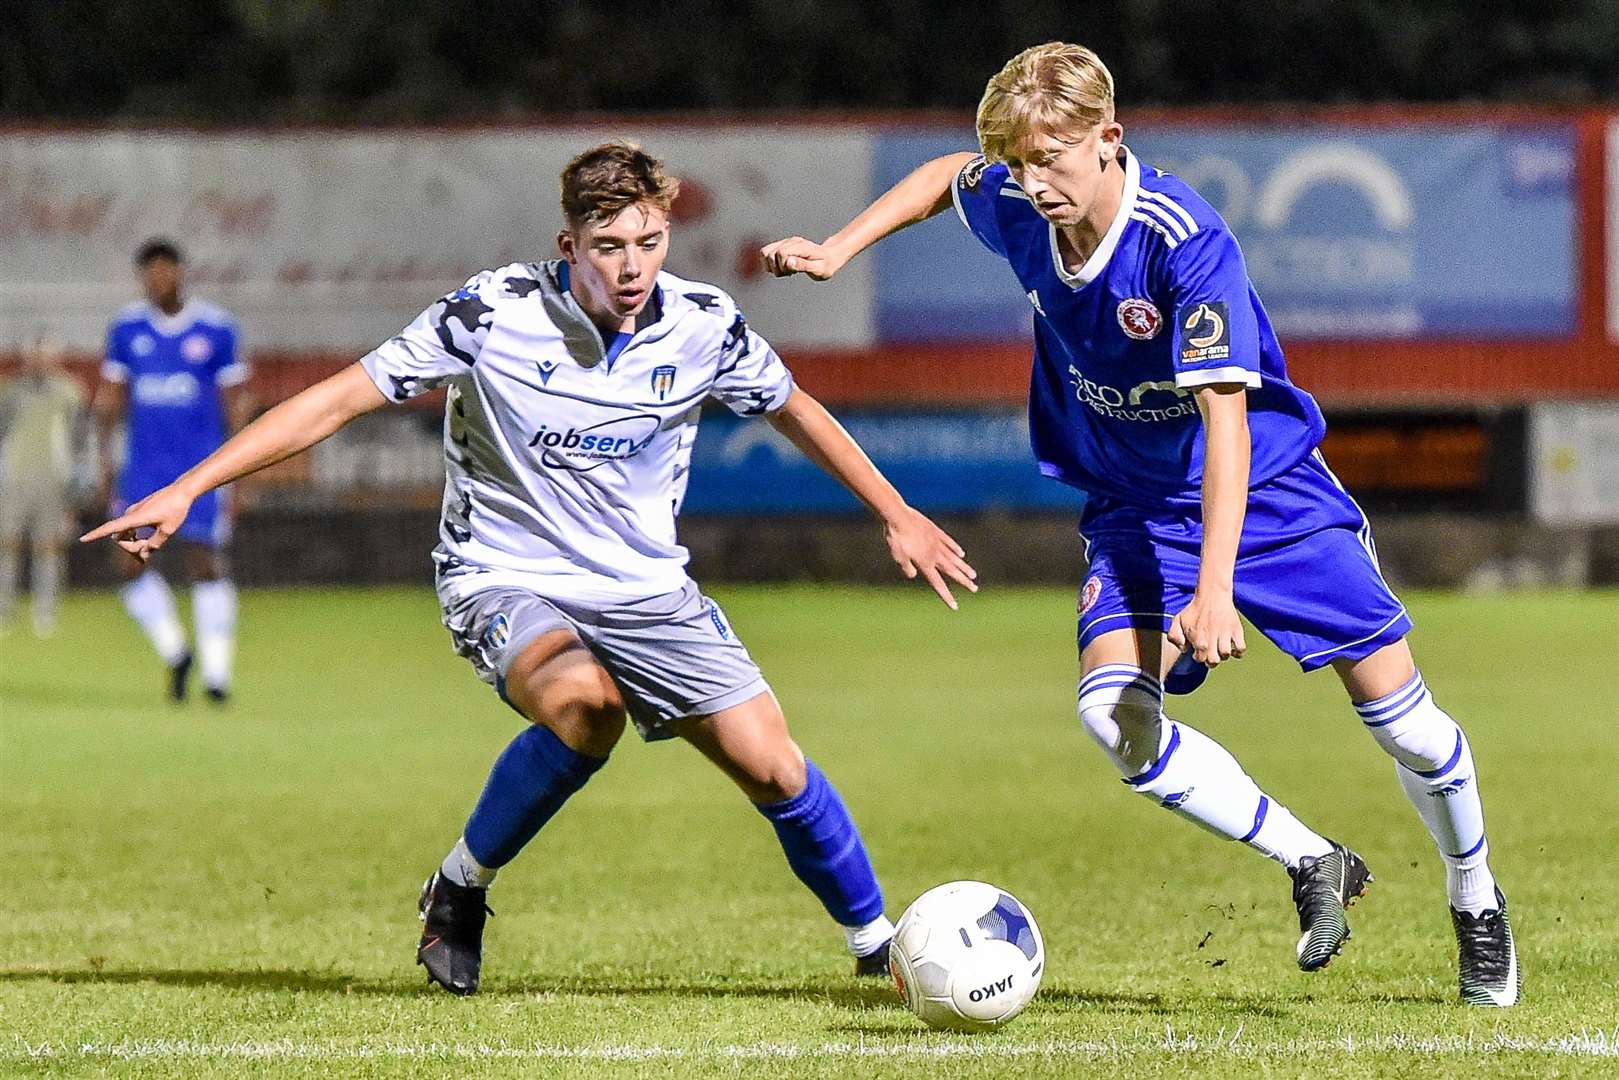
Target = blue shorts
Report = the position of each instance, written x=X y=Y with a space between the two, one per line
x=207 y=524
x=1307 y=574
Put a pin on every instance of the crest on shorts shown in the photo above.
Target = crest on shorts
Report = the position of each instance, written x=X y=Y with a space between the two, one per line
x=1089 y=594
x=1139 y=319
x=499 y=632
x=663 y=380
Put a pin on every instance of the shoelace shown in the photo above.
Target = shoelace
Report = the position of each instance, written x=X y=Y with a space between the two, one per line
x=1484 y=944
x=1312 y=891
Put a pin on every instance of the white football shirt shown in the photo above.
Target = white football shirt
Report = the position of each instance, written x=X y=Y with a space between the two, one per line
x=564 y=470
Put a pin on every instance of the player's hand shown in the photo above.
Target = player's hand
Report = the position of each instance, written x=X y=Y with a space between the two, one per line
x=921 y=547
x=147 y=525
x=796 y=255
x=1209 y=628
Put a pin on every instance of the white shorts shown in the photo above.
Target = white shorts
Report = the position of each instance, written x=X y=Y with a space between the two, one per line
x=671 y=656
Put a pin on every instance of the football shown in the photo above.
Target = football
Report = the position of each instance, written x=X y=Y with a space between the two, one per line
x=967 y=956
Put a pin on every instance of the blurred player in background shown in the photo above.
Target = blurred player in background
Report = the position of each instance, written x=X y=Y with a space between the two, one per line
x=1159 y=389
x=40 y=411
x=174 y=376
x=575 y=387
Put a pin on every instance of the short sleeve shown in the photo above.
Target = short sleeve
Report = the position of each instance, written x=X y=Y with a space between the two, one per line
x=439 y=344
x=975 y=191
x=1216 y=331
x=114 y=364
x=751 y=380
x=232 y=369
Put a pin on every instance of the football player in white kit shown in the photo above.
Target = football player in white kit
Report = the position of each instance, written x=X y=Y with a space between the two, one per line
x=574 y=392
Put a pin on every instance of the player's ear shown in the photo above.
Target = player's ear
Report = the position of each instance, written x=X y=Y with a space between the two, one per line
x=1111 y=138
x=566 y=245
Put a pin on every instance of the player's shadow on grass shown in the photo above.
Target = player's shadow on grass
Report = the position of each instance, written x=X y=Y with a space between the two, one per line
x=866 y=993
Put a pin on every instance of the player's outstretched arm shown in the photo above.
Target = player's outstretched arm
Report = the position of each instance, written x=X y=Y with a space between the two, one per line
x=916 y=543
x=292 y=426
x=925 y=192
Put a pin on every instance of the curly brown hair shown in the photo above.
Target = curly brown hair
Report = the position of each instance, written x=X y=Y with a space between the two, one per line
x=605 y=179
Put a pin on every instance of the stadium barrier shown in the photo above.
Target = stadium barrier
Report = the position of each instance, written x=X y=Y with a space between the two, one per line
x=1433 y=273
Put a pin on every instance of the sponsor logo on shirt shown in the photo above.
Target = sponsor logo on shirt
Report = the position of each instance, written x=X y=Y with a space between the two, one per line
x=1145 y=402
x=973 y=172
x=583 y=449
x=174 y=388
x=1139 y=319
x=1206 y=333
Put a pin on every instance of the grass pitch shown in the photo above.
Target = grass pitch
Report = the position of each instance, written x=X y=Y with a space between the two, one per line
x=191 y=891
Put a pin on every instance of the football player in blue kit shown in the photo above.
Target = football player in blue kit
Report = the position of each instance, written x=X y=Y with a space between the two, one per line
x=173 y=375
x=1159 y=389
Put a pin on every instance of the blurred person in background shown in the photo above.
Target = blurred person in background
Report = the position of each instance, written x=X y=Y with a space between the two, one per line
x=40 y=410
x=174 y=376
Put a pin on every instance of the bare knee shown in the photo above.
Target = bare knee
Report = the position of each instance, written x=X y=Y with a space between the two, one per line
x=750 y=743
x=560 y=686
x=774 y=777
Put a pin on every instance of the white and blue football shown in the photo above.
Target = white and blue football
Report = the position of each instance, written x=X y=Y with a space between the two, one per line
x=967 y=956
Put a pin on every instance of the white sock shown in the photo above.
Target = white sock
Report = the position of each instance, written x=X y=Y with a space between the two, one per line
x=47 y=588
x=151 y=604
x=1184 y=770
x=213 y=609
x=1435 y=767
x=1199 y=779
x=460 y=867
x=864 y=940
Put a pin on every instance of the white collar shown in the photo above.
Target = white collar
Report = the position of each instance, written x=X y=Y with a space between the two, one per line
x=170 y=325
x=1110 y=240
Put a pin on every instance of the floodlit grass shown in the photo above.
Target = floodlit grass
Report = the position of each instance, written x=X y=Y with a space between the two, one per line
x=193 y=891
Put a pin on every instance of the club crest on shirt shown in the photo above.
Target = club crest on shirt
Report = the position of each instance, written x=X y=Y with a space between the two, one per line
x=663 y=380
x=1139 y=319
x=1090 y=593
x=142 y=345
x=196 y=349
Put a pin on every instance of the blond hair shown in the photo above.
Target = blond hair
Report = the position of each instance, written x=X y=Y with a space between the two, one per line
x=1049 y=88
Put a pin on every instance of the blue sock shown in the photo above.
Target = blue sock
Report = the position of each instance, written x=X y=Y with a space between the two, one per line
x=825 y=850
x=532 y=778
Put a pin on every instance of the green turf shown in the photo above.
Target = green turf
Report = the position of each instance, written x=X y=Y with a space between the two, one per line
x=196 y=892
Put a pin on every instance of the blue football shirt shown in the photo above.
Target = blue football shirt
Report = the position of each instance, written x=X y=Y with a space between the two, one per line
x=173 y=367
x=1163 y=306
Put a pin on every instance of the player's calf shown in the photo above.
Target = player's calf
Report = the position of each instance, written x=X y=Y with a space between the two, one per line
x=1183 y=770
x=555 y=683
x=750 y=744
x=1434 y=763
